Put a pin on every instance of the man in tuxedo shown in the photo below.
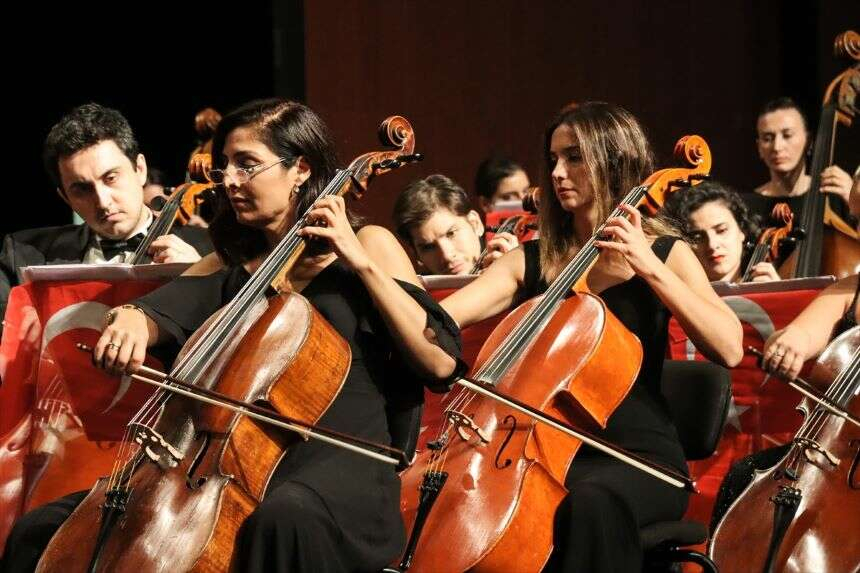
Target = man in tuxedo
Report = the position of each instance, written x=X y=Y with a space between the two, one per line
x=92 y=156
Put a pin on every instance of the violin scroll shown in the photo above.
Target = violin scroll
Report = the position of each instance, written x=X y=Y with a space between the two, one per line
x=531 y=200
x=693 y=150
x=395 y=131
x=694 y=156
x=847 y=45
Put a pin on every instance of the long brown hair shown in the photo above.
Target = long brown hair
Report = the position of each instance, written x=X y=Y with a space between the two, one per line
x=617 y=156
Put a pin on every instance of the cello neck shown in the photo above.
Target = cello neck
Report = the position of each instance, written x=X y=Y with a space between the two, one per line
x=572 y=274
x=287 y=251
x=812 y=219
x=162 y=225
x=758 y=255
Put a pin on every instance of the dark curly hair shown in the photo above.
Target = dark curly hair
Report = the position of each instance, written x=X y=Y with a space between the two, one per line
x=682 y=204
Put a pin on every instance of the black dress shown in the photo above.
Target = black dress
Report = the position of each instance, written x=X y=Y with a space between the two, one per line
x=326 y=509
x=597 y=525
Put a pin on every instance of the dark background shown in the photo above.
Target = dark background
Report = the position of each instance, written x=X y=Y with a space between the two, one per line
x=473 y=77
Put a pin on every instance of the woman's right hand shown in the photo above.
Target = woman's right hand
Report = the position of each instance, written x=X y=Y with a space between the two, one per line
x=764 y=272
x=785 y=351
x=122 y=346
x=500 y=244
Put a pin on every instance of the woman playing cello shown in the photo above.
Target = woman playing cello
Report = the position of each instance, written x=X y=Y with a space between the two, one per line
x=325 y=509
x=595 y=153
x=719 y=226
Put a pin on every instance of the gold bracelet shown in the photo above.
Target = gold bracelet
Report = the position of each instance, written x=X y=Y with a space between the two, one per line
x=110 y=315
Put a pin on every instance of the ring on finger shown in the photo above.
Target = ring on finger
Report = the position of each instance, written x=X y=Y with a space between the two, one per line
x=112 y=345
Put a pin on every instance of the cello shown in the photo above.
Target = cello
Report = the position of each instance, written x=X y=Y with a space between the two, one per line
x=174 y=209
x=176 y=502
x=807 y=506
x=519 y=225
x=826 y=244
x=771 y=240
x=493 y=477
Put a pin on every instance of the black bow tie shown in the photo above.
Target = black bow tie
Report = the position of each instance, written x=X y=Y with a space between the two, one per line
x=113 y=247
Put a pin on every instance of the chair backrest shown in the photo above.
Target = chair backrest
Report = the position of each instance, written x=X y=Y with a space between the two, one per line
x=698 y=394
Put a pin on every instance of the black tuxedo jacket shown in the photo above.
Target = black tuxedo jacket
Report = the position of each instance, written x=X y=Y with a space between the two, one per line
x=66 y=244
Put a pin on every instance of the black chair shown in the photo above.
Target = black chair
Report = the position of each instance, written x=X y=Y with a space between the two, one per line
x=698 y=394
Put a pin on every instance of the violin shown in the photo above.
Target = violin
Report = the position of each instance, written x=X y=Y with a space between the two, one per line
x=802 y=514
x=771 y=240
x=170 y=213
x=518 y=225
x=827 y=244
x=493 y=477
x=207 y=466
x=199 y=189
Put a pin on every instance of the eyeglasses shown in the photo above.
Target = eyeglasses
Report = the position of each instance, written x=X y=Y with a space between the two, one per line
x=240 y=175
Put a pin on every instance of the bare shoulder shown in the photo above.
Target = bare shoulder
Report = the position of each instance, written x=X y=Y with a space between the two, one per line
x=681 y=257
x=386 y=251
x=380 y=242
x=209 y=264
x=370 y=234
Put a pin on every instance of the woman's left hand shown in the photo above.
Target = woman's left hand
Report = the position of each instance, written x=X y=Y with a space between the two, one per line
x=626 y=237
x=836 y=181
x=327 y=220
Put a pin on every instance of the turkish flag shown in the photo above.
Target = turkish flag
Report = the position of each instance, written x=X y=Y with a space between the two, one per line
x=61 y=416
x=763 y=411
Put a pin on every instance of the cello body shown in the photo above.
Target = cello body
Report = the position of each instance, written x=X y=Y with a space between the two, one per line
x=508 y=488
x=827 y=244
x=183 y=512
x=176 y=503
x=819 y=479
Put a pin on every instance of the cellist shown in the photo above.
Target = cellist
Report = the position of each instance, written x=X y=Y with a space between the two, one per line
x=435 y=218
x=719 y=226
x=326 y=509
x=831 y=313
x=93 y=158
x=783 y=144
x=595 y=153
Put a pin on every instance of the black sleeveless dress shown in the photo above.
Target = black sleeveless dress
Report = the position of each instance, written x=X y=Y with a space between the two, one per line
x=597 y=525
x=326 y=509
x=742 y=472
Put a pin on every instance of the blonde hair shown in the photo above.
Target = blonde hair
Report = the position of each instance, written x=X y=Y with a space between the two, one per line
x=617 y=157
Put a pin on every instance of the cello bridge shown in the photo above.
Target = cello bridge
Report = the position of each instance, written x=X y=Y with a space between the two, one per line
x=156 y=447
x=466 y=428
x=810 y=446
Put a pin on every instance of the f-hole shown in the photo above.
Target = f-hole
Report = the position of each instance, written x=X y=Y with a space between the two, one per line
x=205 y=438
x=509 y=419
x=853 y=481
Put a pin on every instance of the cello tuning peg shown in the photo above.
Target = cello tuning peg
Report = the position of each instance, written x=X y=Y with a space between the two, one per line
x=157 y=203
x=699 y=176
x=411 y=158
x=387 y=164
x=679 y=183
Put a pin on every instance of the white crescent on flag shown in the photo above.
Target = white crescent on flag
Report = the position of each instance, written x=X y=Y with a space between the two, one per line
x=87 y=314
x=747 y=311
